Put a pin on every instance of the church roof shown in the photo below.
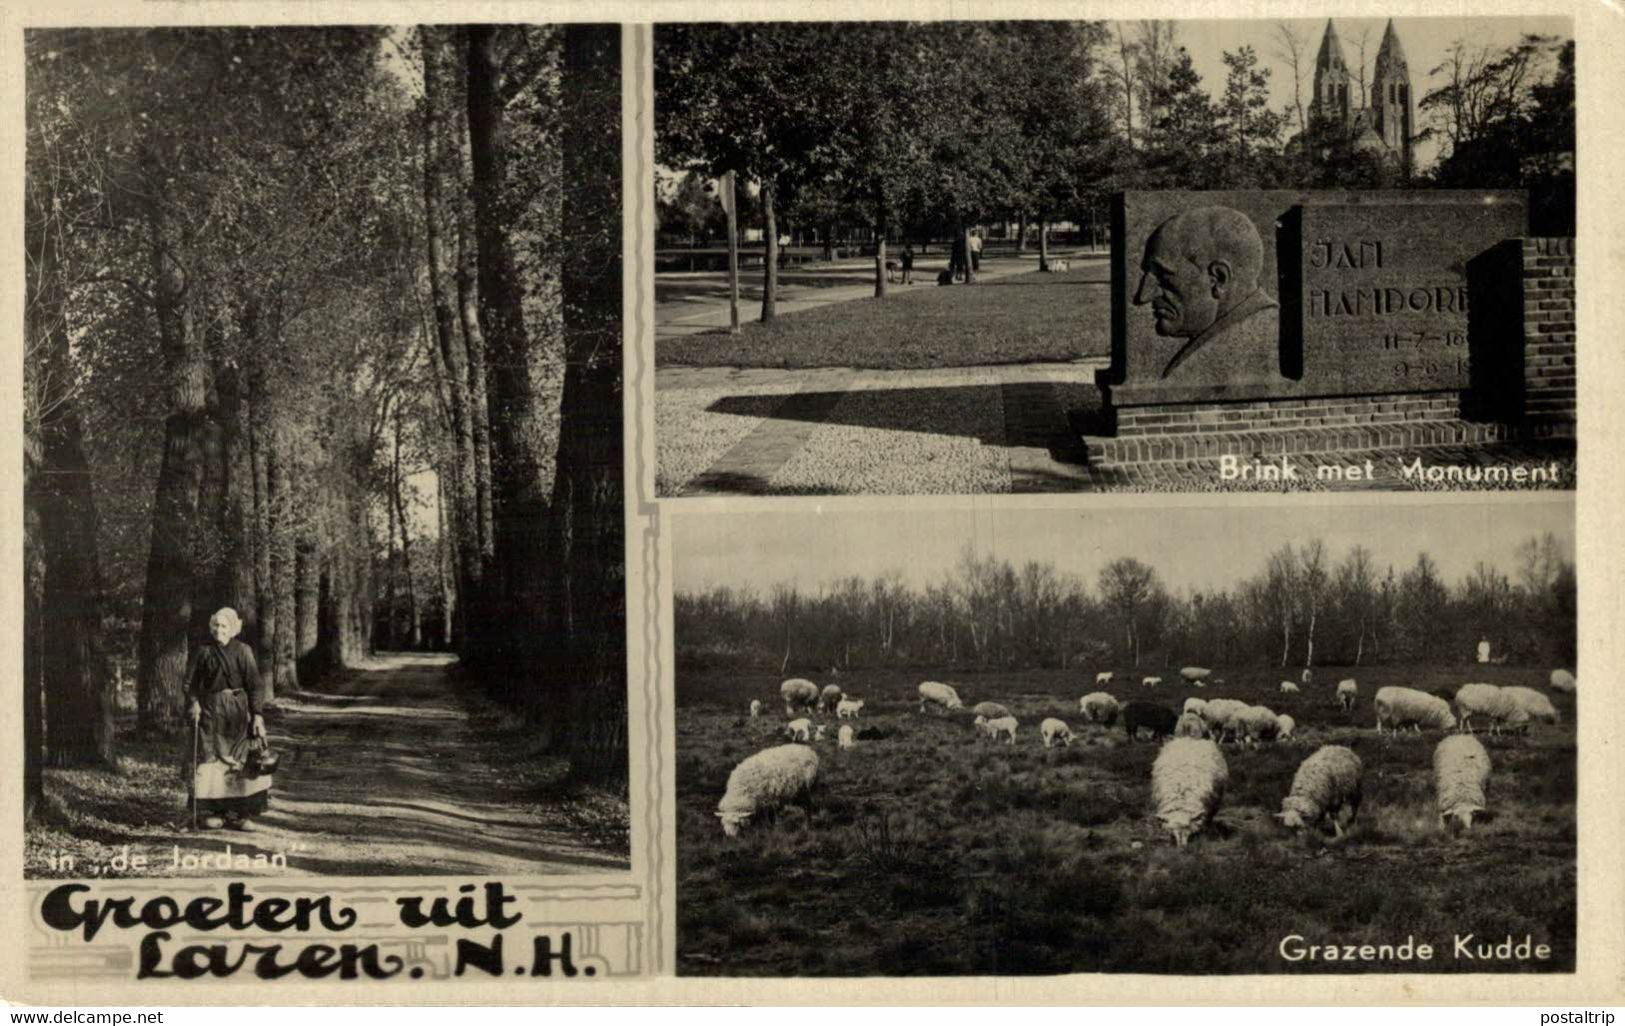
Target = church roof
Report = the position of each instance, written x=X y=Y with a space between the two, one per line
x=1390 y=55
x=1331 y=49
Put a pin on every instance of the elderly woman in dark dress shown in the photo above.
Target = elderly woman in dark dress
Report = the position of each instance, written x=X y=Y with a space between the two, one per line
x=222 y=683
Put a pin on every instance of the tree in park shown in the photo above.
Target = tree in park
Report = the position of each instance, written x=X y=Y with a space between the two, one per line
x=1183 y=134
x=1126 y=586
x=750 y=99
x=1249 y=129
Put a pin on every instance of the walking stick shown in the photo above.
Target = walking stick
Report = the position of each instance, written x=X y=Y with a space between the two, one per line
x=193 y=783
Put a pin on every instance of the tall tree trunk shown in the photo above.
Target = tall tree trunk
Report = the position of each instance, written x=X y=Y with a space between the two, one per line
x=235 y=586
x=1043 y=242
x=443 y=562
x=589 y=496
x=389 y=639
x=453 y=352
x=284 y=559
x=479 y=405
x=33 y=630
x=261 y=441
x=770 y=262
x=414 y=626
x=1021 y=233
x=167 y=611
x=307 y=597
x=828 y=232
x=518 y=491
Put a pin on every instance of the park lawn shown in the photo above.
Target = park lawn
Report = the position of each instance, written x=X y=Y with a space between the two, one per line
x=925 y=850
x=1025 y=318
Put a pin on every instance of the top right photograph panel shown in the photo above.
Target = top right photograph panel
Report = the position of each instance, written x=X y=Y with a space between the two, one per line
x=991 y=257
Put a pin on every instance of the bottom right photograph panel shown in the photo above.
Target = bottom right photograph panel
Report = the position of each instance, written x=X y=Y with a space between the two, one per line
x=1233 y=735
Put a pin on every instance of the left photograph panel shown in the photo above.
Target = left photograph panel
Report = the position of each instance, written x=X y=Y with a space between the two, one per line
x=324 y=502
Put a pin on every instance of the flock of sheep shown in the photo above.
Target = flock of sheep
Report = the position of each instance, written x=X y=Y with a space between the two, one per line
x=1189 y=775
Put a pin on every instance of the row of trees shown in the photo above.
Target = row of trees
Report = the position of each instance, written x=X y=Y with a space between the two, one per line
x=274 y=276
x=920 y=130
x=1304 y=607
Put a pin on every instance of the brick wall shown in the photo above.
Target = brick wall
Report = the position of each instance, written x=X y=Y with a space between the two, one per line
x=1549 y=384
x=1286 y=414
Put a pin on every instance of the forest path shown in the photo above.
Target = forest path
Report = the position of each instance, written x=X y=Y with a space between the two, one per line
x=393 y=769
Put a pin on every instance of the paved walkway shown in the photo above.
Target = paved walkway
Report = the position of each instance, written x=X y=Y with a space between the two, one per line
x=727 y=431
x=689 y=303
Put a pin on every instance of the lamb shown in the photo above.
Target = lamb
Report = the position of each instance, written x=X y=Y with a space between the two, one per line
x=1187 y=784
x=1002 y=725
x=1150 y=682
x=845 y=738
x=1532 y=702
x=1254 y=724
x=1190 y=725
x=1288 y=688
x=798 y=694
x=1486 y=702
x=755 y=708
x=1461 y=769
x=1194 y=705
x=1196 y=675
x=830 y=697
x=1347 y=692
x=980 y=723
x=765 y=781
x=1407 y=707
x=1055 y=732
x=1103 y=677
x=1284 y=726
x=992 y=710
x=1138 y=716
x=1099 y=707
x=1327 y=783
x=1562 y=680
x=1218 y=714
x=940 y=695
x=849 y=708
x=799 y=730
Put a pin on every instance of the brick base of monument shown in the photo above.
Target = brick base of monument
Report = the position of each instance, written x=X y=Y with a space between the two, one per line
x=1281 y=427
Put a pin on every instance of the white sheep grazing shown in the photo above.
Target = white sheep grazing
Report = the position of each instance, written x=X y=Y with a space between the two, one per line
x=939 y=694
x=765 y=781
x=849 y=708
x=755 y=708
x=1196 y=675
x=1218 y=715
x=829 y=698
x=1326 y=783
x=799 y=730
x=1407 y=707
x=1285 y=725
x=1055 y=732
x=1255 y=724
x=1099 y=707
x=1532 y=702
x=1194 y=705
x=1150 y=682
x=798 y=694
x=1562 y=680
x=1190 y=725
x=1288 y=688
x=1002 y=725
x=845 y=738
x=1461 y=769
x=1103 y=677
x=1347 y=692
x=1187 y=784
x=1486 y=702
x=980 y=723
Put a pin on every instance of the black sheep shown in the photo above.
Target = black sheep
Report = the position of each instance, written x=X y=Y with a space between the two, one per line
x=1139 y=716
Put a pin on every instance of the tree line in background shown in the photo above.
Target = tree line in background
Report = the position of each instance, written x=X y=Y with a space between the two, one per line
x=1304 y=607
x=920 y=131
x=274 y=276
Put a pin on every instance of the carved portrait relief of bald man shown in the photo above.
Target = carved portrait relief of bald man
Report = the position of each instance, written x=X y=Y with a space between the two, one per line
x=1200 y=276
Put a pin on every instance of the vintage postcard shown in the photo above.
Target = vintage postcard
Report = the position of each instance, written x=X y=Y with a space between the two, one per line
x=530 y=505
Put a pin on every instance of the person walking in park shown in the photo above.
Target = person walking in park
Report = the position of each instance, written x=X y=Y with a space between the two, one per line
x=222 y=684
x=975 y=251
x=908 y=263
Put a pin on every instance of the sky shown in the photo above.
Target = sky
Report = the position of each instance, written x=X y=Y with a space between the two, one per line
x=1193 y=543
x=1424 y=40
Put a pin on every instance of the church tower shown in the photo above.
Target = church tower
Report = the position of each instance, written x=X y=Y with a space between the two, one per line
x=1391 y=98
x=1331 y=79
